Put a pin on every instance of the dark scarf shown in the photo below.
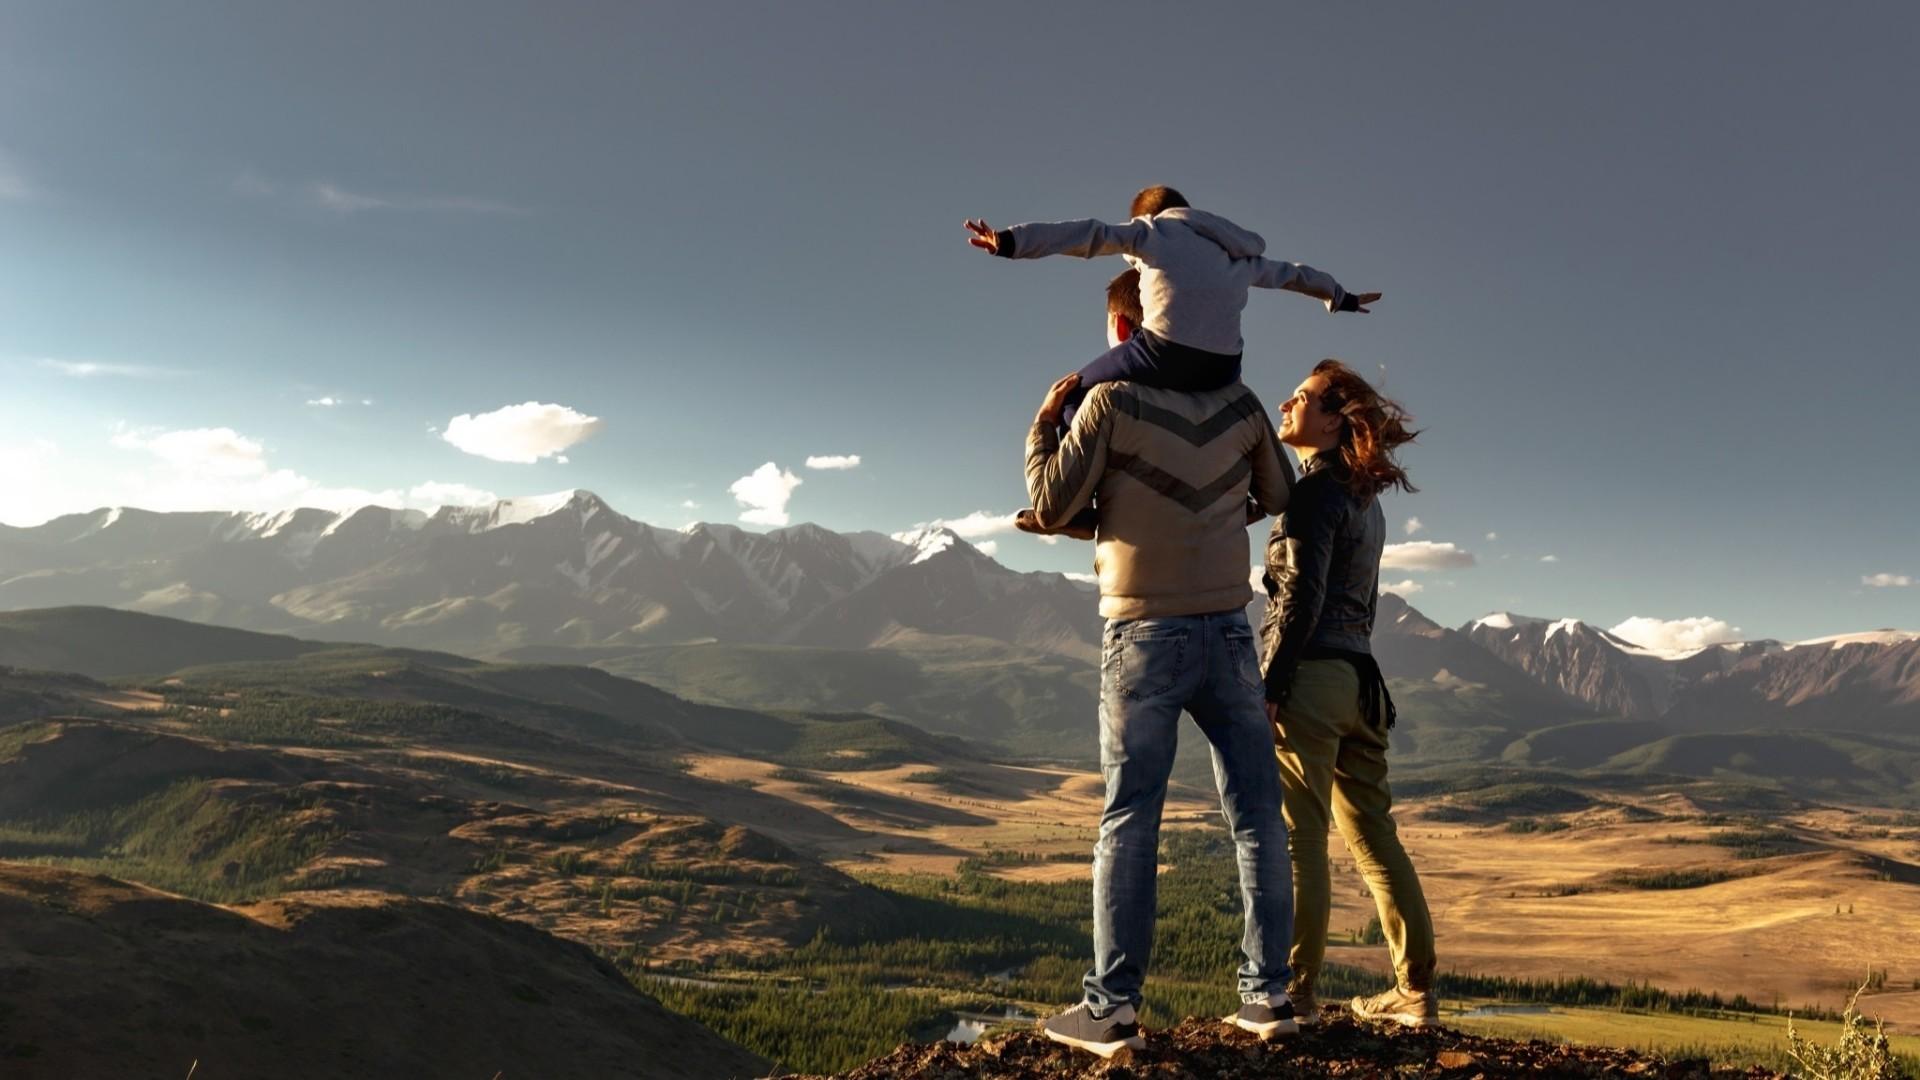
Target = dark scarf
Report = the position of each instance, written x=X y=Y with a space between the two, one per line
x=1374 y=698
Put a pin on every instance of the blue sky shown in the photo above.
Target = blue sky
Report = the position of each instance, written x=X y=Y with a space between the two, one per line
x=1648 y=269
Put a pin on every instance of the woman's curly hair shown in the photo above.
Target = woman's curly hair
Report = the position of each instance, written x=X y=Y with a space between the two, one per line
x=1372 y=428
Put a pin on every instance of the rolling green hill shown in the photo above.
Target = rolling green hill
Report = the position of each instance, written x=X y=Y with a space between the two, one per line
x=1026 y=702
x=107 y=642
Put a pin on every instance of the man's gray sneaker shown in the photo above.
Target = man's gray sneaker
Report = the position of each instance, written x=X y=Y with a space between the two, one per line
x=1104 y=1035
x=1410 y=1008
x=1269 y=1018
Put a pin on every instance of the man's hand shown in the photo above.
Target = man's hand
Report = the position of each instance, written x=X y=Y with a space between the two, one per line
x=1273 y=715
x=1055 y=402
x=1356 y=302
x=988 y=241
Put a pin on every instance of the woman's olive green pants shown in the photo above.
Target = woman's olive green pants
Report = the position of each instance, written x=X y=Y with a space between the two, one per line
x=1333 y=767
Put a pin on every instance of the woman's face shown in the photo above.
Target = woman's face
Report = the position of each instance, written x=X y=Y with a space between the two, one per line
x=1303 y=423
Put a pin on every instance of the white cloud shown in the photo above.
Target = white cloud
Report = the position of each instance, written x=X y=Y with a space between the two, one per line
x=689 y=504
x=764 y=492
x=1492 y=536
x=346 y=202
x=834 y=461
x=1887 y=581
x=989 y=548
x=1084 y=579
x=93 y=369
x=975 y=526
x=32 y=494
x=1549 y=558
x=1402 y=588
x=1425 y=555
x=1414 y=525
x=522 y=434
x=563 y=459
x=188 y=469
x=434 y=493
x=331 y=197
x=210 y=452
x=1676 y=635
x=324 y=402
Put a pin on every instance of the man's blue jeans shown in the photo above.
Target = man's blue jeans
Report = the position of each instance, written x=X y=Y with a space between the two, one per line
x=1150 y=671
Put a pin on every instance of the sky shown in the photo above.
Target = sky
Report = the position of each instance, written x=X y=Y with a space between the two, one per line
x=1648 y=268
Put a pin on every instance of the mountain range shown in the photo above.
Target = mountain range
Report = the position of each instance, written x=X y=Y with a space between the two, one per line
x=921 y=625
x=562 y=569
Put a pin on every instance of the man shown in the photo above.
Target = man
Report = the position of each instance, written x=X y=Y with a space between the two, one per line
x=1173 y=473
x=1327 y=699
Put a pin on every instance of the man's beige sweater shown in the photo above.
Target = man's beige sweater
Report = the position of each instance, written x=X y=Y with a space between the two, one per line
x=1171 y=473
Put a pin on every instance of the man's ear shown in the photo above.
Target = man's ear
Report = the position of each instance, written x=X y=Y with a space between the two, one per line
x=1122 y=327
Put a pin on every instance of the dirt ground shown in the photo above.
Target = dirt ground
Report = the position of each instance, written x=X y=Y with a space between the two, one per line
x=1208 y=1048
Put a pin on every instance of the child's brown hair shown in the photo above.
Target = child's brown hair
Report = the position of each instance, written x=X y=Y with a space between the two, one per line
x=1152 y=200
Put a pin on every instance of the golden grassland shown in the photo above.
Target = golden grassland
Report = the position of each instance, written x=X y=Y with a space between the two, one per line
x=1794 y=929
x=1748 y=1037
x=1537 y=905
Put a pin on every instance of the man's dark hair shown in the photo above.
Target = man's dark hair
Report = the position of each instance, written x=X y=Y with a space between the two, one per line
x=1123 y=297
x=1152 y=200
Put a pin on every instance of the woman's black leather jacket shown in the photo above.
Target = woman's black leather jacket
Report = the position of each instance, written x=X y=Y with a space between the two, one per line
x=1322 y=573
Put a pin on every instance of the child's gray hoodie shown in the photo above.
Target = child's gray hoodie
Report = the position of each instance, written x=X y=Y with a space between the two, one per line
x=1195 y=269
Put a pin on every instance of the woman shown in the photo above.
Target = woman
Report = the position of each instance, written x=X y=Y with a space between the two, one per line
x=1325 y=695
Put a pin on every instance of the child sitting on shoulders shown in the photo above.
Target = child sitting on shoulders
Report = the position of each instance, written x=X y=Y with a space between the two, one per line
x=1194 y=270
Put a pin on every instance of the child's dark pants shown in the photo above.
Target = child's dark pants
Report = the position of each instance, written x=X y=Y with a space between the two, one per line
x=1152 y=360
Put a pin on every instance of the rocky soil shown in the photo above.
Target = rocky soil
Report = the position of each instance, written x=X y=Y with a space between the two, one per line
x=1208 y=1050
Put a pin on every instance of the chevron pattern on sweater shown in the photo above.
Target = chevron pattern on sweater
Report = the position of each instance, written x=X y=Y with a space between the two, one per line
x=1195 y=499
x=1199 y=434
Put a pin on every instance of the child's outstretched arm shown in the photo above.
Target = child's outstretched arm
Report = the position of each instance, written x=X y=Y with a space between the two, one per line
x=1084 y=239
x=1301 y=278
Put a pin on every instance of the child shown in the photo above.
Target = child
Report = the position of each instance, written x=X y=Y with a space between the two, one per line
x=1195 y=269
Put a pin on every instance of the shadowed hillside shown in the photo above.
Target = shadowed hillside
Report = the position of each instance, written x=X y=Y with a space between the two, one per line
x=103 y=978
x=105 y=642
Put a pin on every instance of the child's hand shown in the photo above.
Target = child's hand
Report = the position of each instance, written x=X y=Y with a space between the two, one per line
x=1055 y=402
x=983 y=236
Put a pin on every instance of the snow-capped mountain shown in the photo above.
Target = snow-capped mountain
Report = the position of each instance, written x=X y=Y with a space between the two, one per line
x=556 y=569
x=568 y=570
x=1845 y=682
x=1592 y=665
x=1411 y=646
x=1867 y=681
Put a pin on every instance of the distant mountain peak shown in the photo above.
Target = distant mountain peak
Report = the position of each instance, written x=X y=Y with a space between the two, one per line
x=524 y=509
x=805 y=528
x=1507 y=620
x=933 y=540
x=1884 y=636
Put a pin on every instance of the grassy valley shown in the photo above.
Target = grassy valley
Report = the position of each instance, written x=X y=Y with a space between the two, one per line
x=818 y=886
